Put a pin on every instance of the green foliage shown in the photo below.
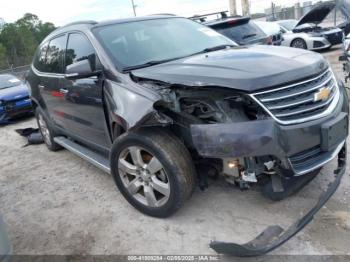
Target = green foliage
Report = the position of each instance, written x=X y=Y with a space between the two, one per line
x=3 y=62
x=19 y=40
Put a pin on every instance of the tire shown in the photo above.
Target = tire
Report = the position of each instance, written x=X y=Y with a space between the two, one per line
x=46 y=130
x=291 y=186
x=160 y=162
x=299 y=43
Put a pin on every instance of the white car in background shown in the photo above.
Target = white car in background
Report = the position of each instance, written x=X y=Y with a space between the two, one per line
x=310 y=41
x=271 y=29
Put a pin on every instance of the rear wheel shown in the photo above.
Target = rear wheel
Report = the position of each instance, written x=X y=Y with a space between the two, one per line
x=46 y=131
x=299 y=43
x=153 y=170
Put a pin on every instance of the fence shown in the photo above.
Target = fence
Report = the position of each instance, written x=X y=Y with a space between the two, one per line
x=276 y=12
x=20 y=71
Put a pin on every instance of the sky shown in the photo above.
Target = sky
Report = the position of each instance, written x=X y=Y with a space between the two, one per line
x=61 y=12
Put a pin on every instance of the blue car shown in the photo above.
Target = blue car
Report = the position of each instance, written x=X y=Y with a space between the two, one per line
x=14 y=98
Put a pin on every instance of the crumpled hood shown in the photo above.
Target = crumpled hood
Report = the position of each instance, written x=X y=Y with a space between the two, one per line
x=243 y=68
x=16 y=92
x=317 y=14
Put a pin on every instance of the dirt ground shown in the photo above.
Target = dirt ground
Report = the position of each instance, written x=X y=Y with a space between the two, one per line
x=57 y=203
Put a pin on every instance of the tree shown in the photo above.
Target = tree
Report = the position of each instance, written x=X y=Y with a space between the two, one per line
x=3 y=62
x=20 y=39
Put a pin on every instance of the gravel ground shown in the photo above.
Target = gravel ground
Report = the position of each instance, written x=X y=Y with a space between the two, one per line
x=56 y=203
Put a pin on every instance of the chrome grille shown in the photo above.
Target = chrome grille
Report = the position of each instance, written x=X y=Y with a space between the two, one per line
x=297 y=103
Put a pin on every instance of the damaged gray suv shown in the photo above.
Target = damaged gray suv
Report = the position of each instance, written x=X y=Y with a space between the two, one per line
x=162 y=103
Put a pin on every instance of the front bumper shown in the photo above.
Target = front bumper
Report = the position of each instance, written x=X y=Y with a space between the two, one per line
x=268 y=138
x=275 y=236
x=317 y=43
x=19 y=108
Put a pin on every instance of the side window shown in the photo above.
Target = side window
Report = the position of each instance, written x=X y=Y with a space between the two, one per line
x=55 y=55
x=79 y=48
x=40 y=57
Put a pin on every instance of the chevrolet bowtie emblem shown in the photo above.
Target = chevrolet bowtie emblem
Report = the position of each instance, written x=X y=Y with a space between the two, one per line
x=322 y=94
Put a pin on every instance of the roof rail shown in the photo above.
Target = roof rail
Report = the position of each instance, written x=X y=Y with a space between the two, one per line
x=89 y=22
x=202 y=18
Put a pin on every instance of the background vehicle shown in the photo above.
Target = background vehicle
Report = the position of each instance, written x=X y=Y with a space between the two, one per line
x=301 y=40
x=14 y=98
x=344 y=6
x=273 y=30
x=239 y=29
x=307 y=33
x=173 y=97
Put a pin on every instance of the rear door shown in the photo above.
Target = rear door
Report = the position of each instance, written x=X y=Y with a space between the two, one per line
x=84 y=105
x=52 y=72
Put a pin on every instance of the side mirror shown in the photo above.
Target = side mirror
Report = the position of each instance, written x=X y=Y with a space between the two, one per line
x=81 y=69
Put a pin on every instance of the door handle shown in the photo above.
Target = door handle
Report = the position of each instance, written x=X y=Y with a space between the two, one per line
x=64 y=90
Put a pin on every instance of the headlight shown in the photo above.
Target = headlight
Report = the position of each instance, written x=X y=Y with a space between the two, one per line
x=316 y=34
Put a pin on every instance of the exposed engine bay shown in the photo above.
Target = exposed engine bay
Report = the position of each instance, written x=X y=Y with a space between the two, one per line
x=213 y=105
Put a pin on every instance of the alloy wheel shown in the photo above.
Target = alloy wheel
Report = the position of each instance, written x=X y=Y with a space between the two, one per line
x=44 y=129
x=144 y=176
x=298 y=43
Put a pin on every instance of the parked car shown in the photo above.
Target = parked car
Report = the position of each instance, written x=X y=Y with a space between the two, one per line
x=239 y=29
x=344 y=6
x=173 y=96
x=273 y=30
x=5 y=247
x=14 y=98
x=307 y=33
x=301 y=40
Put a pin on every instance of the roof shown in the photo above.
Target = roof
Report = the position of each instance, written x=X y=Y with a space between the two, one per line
x=135 y=19
x=88 y=24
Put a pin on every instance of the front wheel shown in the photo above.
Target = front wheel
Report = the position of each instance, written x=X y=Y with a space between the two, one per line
x=153 y=170
x=299 y=43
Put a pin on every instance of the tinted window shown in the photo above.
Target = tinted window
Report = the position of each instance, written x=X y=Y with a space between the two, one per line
x=79 y=48
x=40 y=57
x=136 y=43
x=55 y=55
x=243 y=33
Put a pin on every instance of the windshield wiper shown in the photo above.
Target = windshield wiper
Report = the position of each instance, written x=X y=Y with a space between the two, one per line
x=248 y=36
x=149 y=63
x=215 y=48
x=157 y=62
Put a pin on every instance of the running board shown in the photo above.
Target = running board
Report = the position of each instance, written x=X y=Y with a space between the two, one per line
x=85 y=153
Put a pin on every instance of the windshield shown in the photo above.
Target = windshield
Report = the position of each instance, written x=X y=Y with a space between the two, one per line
x=8 y=81
x=289 y=25
x=140 y=42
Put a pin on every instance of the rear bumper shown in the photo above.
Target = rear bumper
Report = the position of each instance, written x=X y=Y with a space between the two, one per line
x=274 y=236
x=291 y=144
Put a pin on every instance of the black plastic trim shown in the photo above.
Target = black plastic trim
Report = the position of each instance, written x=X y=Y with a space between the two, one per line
x=274 y=236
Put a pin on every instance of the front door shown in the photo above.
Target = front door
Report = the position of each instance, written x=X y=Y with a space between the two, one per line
x=84 y=111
